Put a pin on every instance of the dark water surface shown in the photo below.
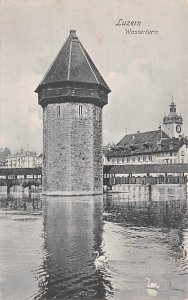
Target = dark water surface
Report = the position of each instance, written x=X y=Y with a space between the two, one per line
x=47 y=245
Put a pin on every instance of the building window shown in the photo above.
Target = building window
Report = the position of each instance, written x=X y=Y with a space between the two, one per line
x=138 y=159
x=128 y=159
x=80 y=110
x=122 y=160
x=58 y=111
x=133 y=159
x=182 y=153
x=150 y=158
x=144 y=158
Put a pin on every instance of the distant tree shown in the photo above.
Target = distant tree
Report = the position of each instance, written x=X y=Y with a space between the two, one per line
x=3 y=155
x=7 y=151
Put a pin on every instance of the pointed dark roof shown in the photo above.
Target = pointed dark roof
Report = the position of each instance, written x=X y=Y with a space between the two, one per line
x=73 y=64
x=142 y=137
x=141 y=143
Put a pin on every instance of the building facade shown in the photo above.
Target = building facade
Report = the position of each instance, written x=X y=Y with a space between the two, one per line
x=72 y=95
x=167 y=145
x=22 y=159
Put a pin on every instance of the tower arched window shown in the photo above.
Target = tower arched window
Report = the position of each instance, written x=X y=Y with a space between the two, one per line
x=97 y=114
x=80 y=110
x=45 y=113
x=58 y=112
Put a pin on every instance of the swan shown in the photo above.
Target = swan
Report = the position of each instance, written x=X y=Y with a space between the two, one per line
x=152 y=285
x=101 y=258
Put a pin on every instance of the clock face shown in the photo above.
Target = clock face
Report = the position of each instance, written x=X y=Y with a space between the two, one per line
x=178 y=128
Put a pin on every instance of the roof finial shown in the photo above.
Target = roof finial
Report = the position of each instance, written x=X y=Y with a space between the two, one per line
x=172 y=98
x=73 y=32
x=172 y=105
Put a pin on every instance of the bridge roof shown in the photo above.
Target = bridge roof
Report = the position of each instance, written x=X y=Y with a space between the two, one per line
x=73 y=64
x=146 y=168
x=20 y=171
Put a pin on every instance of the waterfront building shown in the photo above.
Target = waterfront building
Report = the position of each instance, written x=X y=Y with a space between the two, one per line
x=167 y=145
x=72 y=95
x=39 y=160
x=21 y=159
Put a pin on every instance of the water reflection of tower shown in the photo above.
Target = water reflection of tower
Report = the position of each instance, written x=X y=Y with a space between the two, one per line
x=73 y=230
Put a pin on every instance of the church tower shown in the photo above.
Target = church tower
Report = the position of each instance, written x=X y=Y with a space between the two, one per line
x=172 y=124
x=72 y=95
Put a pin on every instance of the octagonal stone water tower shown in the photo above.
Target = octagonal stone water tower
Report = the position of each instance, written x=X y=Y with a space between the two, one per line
x=72 y=95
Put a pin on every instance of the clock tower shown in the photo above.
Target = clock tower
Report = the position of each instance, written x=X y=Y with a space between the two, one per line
x=172 y=123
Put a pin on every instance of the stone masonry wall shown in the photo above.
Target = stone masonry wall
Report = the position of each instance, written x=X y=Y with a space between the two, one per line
x=72 y=142
x=97 y=150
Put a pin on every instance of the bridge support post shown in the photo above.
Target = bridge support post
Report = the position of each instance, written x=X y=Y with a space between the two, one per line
x=8 y=185
x=8 y=189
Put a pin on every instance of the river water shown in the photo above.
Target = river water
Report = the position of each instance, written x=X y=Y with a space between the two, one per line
x=47 y=245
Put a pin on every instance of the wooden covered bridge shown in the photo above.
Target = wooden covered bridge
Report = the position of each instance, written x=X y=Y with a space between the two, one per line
x=25 y=177
x=145 y=174
x=112 y=174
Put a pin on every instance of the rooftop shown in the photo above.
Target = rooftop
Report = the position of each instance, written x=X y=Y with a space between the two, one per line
x=145 y=143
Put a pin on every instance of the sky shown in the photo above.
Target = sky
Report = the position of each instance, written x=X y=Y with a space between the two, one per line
x=143 y=71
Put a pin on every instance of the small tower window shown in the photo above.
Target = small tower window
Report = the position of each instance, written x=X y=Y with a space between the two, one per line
x=80 y=110
x=45 y=113
x=58 y=111
x=97 y=114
